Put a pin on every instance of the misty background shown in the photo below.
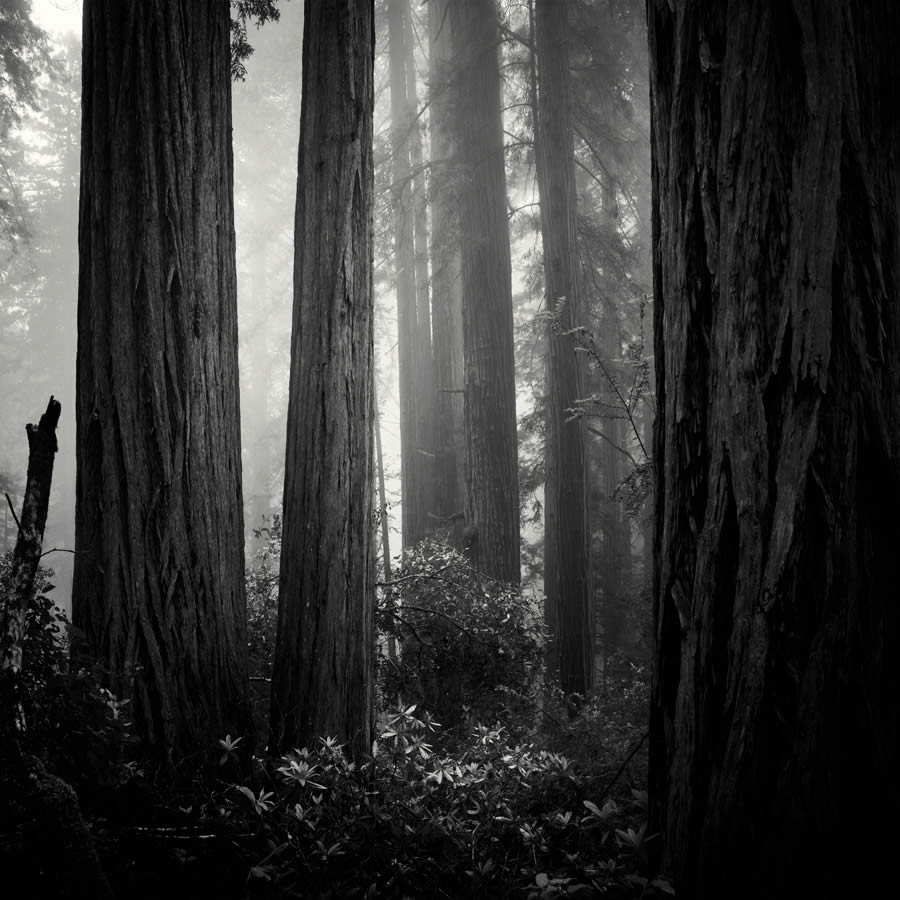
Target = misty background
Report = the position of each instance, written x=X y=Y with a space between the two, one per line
x=39 y=271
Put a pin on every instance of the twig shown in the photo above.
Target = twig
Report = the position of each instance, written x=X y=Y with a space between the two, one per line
x=59 y=550
x=613 y=444
x=12 y=510
x=628 y=759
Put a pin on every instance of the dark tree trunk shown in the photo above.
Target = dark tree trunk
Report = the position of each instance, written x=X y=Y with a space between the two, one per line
x=159 y=576
x=492 y=485
x=446 y=284
x=567 y=568
x=775 y=724
x=323 y=678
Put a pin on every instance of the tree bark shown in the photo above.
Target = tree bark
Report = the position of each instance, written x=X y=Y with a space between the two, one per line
x=567 y=566
x=492 y=485
x=446 y=281
x=775 y=729
x=158 y=586
x=323 y=678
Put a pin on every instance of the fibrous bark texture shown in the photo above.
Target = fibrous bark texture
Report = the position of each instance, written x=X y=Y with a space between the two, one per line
x=492 y=488
x=158 y=586
x=323 y=678
x=446 y=283
x=567 y=569
x=775 y=727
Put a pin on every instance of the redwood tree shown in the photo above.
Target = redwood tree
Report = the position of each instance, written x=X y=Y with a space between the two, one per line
x=158 y=587
x=775 y=726
x=492 y=486
x=323 y=675
x=567 y=570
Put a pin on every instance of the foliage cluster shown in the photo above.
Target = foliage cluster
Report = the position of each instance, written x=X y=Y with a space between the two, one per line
x=74 y=724
x=493 y=820
x=242 y=12
x=471 y=647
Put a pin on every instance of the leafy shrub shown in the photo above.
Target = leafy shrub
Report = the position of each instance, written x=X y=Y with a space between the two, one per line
x=471 y=647
x=261 y=579
x=493 y=820
x=262 y=596
x=73 y=723
x=608 y=725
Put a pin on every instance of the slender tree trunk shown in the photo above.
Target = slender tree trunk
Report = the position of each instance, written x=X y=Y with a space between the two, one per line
x=775 y=728
x=323 y=678
x=492 y=486
x=158 y=587
x=408 y=330
x=567 y=568
x=256 y=440
x=615 y=549
x=383 y=520
x=446 y=284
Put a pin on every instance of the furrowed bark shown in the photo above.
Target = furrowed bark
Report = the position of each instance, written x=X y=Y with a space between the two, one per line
x=775 y=728
x=323 y=674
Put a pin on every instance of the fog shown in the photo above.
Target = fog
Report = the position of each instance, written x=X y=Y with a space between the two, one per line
x=38 y=284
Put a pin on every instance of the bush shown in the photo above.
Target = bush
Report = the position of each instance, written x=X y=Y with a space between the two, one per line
x=608 y=725
x=494 y=819
x=471 y=647
x=73 y=724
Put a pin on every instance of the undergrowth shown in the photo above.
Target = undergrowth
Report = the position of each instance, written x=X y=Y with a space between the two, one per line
x=492 y=820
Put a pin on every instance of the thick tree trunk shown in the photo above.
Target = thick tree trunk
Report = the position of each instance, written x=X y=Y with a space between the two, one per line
x=158 y=587
x=492 y=477
x=567 y=568
x=446 y=281
x=323 y=678
x=775 y=726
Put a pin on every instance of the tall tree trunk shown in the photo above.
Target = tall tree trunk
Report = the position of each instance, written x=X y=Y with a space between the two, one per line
x=615 y=546
x=383 y=521
x=567 y=568
x=408 y=331
x=775 y=728
x=159 y=575
x=492 y=485
x=256 y=439
x=323 y=677
x=424 y=356
x=446 y=280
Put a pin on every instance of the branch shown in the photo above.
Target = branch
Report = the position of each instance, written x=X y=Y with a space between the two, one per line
x=615 y=777
x=13 y=511
x=594 y=430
